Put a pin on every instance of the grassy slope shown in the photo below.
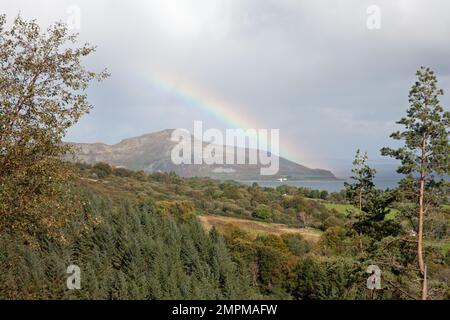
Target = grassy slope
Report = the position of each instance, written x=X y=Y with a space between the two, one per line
x=257 y=227
x=348 y=208
x=443 y=245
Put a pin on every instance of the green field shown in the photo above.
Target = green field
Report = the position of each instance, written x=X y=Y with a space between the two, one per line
x=445 y=247
x=442 y=245
x=341 y=208
x=349 y=208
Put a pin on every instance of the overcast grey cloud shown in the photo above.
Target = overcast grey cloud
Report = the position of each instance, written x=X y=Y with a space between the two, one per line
x=311 y=68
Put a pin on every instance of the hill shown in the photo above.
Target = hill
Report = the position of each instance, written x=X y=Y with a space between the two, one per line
x=151 y=153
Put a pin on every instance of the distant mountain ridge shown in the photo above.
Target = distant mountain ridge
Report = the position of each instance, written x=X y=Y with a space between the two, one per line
x=152 y=153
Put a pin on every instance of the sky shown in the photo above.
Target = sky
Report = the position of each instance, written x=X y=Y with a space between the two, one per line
x=312 y=69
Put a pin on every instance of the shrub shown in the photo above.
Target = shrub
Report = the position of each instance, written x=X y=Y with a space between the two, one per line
x=262 y=212
x=102 y=170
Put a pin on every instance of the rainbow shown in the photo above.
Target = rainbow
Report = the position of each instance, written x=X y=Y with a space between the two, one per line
x=232 y=115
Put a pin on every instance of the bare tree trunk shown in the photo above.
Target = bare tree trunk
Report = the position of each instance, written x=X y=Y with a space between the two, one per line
x=422 y=266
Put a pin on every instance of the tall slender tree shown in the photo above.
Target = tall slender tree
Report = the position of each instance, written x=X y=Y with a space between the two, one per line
x=362 y=181
x=425 y=154
x=361 y=186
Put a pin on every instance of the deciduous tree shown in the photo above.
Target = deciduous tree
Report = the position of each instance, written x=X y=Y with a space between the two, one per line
x=42 y=93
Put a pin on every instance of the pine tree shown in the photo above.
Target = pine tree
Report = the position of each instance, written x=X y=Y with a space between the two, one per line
x=362 y=184
x=426 y=151
x=362 y=187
